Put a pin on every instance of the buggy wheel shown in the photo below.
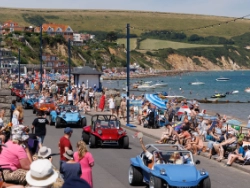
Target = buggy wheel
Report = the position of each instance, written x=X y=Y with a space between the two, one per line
x=83 y=122
x=155 y=182
x=206 y=183
x=125 y=143
x=85 y=137
x=135 y=176
x=34 y=111
x=57 y=123
x=18 y=99
x=92 y=141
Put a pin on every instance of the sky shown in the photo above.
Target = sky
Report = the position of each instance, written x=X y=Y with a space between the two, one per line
x=231 y=8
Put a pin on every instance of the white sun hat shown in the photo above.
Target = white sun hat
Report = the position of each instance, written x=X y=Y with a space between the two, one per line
x=44 y=152
x=41 y=173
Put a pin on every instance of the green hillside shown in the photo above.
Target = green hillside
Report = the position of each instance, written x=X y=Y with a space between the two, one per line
x=101 y=20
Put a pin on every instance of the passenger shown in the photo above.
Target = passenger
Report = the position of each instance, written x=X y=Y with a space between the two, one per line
x=153 y=158
x=176 y=158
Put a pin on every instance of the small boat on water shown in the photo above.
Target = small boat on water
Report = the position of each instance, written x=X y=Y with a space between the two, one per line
x=247 y=90
x=222 y=79
x=160 y=84
x=146 y=86
x=235 y=92
x=218 y=95
x=196 y=83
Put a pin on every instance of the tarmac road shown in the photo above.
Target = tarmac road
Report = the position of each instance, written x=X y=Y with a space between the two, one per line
x=111 y=164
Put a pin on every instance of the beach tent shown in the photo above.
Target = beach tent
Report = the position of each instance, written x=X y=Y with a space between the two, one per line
x=157 y=101
x=183 y=109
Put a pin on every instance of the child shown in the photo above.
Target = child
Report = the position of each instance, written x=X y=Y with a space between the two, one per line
x=95 y=104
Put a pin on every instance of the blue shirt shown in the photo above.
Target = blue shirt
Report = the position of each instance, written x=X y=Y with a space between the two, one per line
x=12 y=107
x=241 y=151
x=70 y=170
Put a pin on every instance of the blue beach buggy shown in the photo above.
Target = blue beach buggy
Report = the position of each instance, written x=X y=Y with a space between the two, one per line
x=66 y=115
x=29 y=99
x=169 y=167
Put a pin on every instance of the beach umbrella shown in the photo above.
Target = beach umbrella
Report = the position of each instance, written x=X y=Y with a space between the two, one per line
x=233 y=122
x=183 y=109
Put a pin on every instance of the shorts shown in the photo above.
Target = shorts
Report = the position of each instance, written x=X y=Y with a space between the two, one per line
x=40 y=139
x=117 y=107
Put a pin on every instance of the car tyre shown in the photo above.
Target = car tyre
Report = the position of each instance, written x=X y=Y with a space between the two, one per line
x=83 y=122
x=34 y=111
x=206 y=183
x=18 y=99
x=57 y=123
x=125 y=143
x=155 y=182
x=85 y=137
x=92 y=141
x=135 y=176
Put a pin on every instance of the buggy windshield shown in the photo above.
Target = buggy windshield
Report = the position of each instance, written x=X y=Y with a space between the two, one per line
x=107 y=124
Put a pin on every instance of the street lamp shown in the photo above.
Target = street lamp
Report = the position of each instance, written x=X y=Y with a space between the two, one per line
x=19 y=61
x=69 y=51
x=41 y=56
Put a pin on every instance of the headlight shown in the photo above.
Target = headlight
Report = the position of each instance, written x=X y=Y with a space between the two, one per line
x=203 y=172
x=120 y=132
x=163 y=171
x=99 y=132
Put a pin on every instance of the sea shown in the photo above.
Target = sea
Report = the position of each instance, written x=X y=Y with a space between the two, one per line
x=179 y=85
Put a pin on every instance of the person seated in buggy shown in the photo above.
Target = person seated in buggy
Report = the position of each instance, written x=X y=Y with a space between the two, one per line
x=74 y=109
x=167 y=134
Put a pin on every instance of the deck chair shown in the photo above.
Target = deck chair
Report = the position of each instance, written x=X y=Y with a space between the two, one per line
x=246 y=162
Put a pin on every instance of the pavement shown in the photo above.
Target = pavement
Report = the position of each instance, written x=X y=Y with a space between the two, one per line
x=111 y=164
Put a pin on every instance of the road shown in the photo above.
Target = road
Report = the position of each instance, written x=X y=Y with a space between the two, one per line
x=111 y=164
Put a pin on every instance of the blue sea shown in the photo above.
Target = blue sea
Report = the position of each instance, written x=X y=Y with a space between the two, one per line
x=239 y=80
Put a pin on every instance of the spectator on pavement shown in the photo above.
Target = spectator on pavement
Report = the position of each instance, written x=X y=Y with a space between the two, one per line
x=12 y=108
x=102 y=102
x=39 y=124
x=45 y=153
x=41 y=174
x=118 y=101
x=239 y=154
x=65 y=144
x=17 y=117
x=86 y=161
x=17 y=155
x=167 y=134
x=70 y=168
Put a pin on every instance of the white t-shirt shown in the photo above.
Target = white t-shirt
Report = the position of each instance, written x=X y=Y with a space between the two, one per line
x=1 y=123
x=247 y=155
x=111 y=103
x=70 y=97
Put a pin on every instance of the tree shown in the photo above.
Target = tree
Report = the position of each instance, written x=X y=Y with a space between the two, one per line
x=111 y=36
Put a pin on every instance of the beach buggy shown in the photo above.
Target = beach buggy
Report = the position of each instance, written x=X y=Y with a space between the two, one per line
x=169 y=167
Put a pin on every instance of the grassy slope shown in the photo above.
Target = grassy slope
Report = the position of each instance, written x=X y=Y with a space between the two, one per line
x=124 y=41
x=154 y=44
x=95 y=20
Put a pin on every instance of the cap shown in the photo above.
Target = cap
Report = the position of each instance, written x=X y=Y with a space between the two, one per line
x=68 y=130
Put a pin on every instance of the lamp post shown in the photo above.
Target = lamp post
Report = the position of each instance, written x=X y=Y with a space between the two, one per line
x=69 y=51
x=128 y=70
x=19 y=61
x=41 y=56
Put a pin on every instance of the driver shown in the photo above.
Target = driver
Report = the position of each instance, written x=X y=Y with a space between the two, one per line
x=73 y=109
x=98 y=124
x=112 y=124
x=154 y=159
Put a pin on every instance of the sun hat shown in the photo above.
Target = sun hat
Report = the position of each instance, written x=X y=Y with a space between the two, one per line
x=75 y=182
x=44 y=152
x=19 y=134
x=68 y=130
x=68 y=154
x=41 y=173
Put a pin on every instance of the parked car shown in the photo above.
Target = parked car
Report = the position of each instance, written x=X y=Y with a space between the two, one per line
x=45 y=105
x=67 y=115
x=29 y=99
x=169 y=167
x=105 y=130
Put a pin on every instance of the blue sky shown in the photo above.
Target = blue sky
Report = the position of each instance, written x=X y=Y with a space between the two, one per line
x=232 y=8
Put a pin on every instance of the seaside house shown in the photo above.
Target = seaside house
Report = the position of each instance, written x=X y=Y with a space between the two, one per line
x=56 y=29
x=53 y=63
x=11 y=26
x=90 y=76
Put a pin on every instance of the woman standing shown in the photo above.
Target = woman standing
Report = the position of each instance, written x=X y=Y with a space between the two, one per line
x=111 y=104
x=102 y=101
x=86 y=161
x=17 y=116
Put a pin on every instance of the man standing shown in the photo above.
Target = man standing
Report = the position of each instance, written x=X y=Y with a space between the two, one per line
x=118 y=101
x=65 y=144
x=70 y=97
x=39 y=124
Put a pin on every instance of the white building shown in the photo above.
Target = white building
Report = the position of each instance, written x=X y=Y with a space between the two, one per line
x=77 y=37
x=90 y=76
